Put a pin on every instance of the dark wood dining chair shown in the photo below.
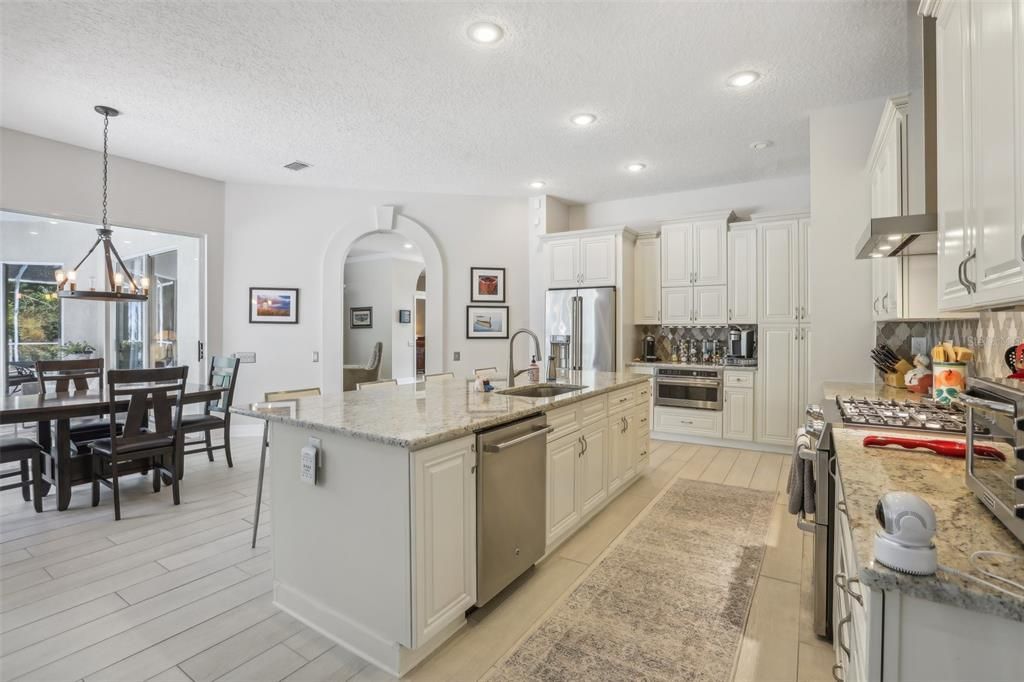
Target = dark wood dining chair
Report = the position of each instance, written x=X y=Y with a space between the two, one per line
x=29 y=455
x=72 y=376
x=160 y=391
x=216 y=414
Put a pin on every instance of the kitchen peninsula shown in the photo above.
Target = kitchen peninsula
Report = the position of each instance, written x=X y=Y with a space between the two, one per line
x=380 y=554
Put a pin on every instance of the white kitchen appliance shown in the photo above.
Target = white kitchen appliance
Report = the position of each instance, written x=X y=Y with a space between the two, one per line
x=904 y=542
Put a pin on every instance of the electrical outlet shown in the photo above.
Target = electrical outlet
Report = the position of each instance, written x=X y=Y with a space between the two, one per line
x=919 y=345
x=456 y=356
x=246 y=357
x=316 y=356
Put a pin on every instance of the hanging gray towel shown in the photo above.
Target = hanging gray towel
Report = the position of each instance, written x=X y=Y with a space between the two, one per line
x=801 y=484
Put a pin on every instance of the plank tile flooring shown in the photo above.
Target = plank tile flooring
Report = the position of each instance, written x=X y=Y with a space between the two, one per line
x=177 y=594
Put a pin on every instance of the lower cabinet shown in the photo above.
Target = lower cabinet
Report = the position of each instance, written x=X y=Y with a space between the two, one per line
x=562 y=507
x=593 y=467
x=622 y=448
x=738 y=414
x=686 y=421
x=444 y=535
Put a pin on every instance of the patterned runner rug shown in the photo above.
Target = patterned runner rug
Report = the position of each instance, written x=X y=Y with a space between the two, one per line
x=668 y=602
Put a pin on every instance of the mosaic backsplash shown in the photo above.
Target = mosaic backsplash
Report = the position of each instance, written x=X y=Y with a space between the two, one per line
x=989 y=336
x=668 y=337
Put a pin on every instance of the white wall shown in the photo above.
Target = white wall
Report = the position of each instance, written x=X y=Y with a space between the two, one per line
x=840 y=286
x=48 y=178
x=279 y=235
x=644 y=213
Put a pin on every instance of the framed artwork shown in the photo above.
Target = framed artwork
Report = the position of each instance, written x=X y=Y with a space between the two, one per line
x=486 y=322
x=360 y=318
x=404 y=316
x=487 y=285
x=273 y=305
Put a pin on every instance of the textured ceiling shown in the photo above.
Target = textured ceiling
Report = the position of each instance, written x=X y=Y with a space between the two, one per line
x=394 y=96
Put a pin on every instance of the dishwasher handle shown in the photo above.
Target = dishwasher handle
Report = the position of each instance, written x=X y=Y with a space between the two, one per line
x=537 y=431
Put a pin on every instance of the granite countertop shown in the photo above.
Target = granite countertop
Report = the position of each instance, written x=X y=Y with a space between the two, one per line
x=965 y=525
x=419 y=415
x=684 y=365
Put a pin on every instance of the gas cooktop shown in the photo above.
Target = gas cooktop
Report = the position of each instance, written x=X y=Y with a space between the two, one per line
x=927 y=415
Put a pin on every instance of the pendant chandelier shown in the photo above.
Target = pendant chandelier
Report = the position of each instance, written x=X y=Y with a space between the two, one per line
x=121 y=286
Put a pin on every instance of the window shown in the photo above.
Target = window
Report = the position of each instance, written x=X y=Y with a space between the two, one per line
x=33 y=313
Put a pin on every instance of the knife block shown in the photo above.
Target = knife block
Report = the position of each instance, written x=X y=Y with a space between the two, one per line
x=895 y=379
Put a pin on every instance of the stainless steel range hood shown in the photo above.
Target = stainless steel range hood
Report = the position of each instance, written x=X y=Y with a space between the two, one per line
x=913 y=235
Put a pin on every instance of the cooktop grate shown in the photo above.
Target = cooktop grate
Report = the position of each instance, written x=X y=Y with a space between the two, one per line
x=927 y=415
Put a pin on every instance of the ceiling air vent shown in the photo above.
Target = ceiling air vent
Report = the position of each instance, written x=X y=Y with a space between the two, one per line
x=296 y=165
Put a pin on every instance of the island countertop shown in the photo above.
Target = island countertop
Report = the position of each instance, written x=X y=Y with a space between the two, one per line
x=415 y=416
x=965 y=525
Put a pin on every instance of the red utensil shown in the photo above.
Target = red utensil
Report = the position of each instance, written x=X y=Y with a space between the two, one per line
x=946 y=448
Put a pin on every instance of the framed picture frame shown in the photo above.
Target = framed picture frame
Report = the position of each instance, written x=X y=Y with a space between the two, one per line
x=360 y=318
x=486 y=322
x=273 y=305
x=487 y=285
x=404 y=316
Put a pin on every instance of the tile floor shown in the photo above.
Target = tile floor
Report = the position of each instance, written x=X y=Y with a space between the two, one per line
x=177 y=593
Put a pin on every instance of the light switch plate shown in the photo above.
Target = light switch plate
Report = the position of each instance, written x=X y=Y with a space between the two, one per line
x=246 y=357
x=316 y=356
x=919 y=345
x=456 y=356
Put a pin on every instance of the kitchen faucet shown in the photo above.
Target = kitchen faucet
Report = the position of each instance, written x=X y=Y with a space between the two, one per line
x=512 y=373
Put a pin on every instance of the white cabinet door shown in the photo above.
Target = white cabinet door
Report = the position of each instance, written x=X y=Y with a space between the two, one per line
x=444 y=517
x=647 y=282
x=563 y=263
x=804 y=293
x=804 y=389
x=887 y=288
x=709 y=253
x=597 y=261
x=676 y=255
x=778 y=272
x=677 y=306
x=593 y=467
x=742 y=267
x=951 y=121
x=738 y=417
x=709 y=305
x=563 y=509
x=778 y=375
x=619 y=451
x=996 y=268
x=642 y=434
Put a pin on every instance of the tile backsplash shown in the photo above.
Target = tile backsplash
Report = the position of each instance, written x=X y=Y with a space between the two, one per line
x=668 y=337
x=989 y=336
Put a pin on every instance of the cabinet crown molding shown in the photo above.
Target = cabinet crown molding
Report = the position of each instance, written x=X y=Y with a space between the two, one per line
x=930 y=8
x=726 y=216
x=624 y=230
x=794 y=214
x=894 y=108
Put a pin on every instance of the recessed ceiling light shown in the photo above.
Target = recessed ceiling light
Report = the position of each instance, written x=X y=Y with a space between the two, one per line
x=895 y=237
x=407 y=245
x=127 y=241
x=152 y=234
x=33 y=233
x=537 y=184
x=760 y=145
x=636 y=167
x=52 y=222
x=583 y=119
x=876 y=255
x=485 y=32
x=742 y=79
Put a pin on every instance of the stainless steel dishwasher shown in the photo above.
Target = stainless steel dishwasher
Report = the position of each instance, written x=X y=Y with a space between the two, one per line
x=510 y=504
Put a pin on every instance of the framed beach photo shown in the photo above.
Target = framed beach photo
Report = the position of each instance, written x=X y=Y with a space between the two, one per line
x=487 y=285
x=486 y=322
x=360 y=318
x=273 y=305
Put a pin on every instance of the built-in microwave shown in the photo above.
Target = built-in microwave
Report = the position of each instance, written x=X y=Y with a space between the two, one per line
x=697 y=388
x=998 y=405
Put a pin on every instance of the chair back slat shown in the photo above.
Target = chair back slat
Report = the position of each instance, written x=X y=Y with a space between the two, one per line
x=223 y=374
x=161 y=390
x=63 y=374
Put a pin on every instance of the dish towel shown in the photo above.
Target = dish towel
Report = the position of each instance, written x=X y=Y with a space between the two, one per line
x=801 y=484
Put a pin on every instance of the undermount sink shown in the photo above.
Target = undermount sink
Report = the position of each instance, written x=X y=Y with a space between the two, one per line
x=540 y=390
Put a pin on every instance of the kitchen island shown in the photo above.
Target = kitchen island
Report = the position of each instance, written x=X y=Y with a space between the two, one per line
x=379 y=553
x=893 y=625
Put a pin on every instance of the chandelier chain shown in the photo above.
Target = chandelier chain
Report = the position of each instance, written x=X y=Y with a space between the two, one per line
x=106 y=128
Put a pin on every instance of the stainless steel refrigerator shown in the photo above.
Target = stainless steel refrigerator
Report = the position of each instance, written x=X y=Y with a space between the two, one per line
x=580 y=328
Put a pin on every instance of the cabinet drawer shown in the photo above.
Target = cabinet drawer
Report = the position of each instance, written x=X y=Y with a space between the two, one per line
x=739 y=379
x=688 y=422
x=620 y=399
x=592 y=410
x=643 y=392
x=563 y=421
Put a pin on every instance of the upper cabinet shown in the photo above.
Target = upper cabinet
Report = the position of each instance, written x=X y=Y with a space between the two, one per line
x=742 y=268
x=980 y=118
x=587 y=261
x=693 y=252
x=782 y=296
x=647 y=281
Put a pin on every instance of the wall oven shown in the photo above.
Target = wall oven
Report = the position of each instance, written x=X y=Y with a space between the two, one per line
x=688 y=387
x=998 y=406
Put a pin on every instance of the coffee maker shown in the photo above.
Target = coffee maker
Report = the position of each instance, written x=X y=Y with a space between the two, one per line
x=649 y=348
x=742 y=348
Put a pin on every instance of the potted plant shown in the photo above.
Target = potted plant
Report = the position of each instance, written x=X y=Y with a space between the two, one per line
x=77 y=350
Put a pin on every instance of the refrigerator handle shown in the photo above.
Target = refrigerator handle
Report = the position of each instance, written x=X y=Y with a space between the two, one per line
x=577 y=344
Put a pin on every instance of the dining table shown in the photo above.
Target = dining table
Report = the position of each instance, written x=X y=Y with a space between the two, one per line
x=58 y=409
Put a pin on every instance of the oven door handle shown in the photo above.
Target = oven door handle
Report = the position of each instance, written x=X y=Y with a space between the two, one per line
x=974 y=401
x=808 y=454
x=690 y=382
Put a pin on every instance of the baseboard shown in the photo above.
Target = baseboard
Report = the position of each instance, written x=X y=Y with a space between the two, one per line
x=723 y=443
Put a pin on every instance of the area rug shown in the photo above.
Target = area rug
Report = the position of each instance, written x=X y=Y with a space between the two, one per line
x=668 y=601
